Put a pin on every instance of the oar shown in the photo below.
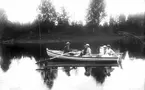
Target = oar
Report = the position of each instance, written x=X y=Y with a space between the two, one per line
x=49 y=59
x=56 y=56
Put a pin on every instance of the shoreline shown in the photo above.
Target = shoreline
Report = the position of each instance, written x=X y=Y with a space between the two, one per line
x=76 y=39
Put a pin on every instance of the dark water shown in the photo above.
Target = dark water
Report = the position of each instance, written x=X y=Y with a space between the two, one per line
x=38 y=51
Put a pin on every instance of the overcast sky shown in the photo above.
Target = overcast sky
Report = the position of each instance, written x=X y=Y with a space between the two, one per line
x=24 y=11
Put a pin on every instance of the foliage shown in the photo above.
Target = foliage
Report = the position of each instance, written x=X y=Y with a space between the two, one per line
x=47 y=11
x=62 y=21
x=134 y=24
x=51 y=22
x=63 y=17
x=3 y=16
x=3 y=21
x=96 y=13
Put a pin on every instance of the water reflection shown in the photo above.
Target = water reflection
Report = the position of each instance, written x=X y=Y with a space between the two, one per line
x=22 y=76
x=8 y=52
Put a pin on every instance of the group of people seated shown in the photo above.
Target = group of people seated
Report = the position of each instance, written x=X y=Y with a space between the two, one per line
x=104 y=50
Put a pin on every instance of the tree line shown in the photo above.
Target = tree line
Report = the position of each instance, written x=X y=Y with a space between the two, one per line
x=51 y=22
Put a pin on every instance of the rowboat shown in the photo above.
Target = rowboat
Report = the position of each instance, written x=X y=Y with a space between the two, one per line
x=60 y=59
x=59 y=55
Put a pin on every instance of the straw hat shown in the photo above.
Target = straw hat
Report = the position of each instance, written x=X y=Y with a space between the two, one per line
x=67 y=43
x=104 y=46
x=87 y=45
x=108 y=45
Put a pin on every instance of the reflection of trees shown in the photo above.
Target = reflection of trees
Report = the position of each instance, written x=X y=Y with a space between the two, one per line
x=99 y=74
x=131 y=40
x=6 y=57
x=50 y=75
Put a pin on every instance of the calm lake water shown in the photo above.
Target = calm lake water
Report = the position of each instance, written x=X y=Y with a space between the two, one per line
x=9 y=53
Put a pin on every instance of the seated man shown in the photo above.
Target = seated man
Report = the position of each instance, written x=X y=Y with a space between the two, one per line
x=86 y=52
x=68 y=51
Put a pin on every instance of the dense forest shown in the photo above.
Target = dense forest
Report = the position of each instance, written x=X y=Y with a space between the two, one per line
x=50 y=22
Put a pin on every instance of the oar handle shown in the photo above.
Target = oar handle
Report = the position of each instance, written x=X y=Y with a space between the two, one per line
x=56 y=56
x=53 y=58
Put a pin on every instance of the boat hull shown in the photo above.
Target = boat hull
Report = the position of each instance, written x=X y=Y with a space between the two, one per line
x=58 y=55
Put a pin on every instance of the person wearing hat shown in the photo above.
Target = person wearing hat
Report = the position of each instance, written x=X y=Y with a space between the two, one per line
x=109 y=51
x=67 y=47
x=102 y=50
x=86 y=52
x=66 y=52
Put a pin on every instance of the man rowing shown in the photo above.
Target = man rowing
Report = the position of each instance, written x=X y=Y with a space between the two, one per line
x=67 y=47
x=70 y=52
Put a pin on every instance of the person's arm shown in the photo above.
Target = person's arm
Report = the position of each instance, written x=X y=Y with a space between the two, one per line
x=82 y=51
x=112 y=52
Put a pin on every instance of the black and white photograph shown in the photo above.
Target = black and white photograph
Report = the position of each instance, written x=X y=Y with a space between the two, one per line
x=72 y=44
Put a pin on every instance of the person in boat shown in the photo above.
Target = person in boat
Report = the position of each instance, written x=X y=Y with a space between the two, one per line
x=86 y=52
x=66 y=52
x=109 y=51
x=67 y=47
x=102 y=51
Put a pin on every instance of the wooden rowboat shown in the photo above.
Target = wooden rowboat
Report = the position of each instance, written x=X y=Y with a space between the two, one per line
x=59 y=59
x=59 y=55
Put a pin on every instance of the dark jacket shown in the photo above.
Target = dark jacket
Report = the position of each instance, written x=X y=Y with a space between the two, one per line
x=66 y=49
x=86 y=51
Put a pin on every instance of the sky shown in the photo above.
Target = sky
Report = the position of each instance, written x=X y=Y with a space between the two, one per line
x=116 y=7
x=25 y=11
